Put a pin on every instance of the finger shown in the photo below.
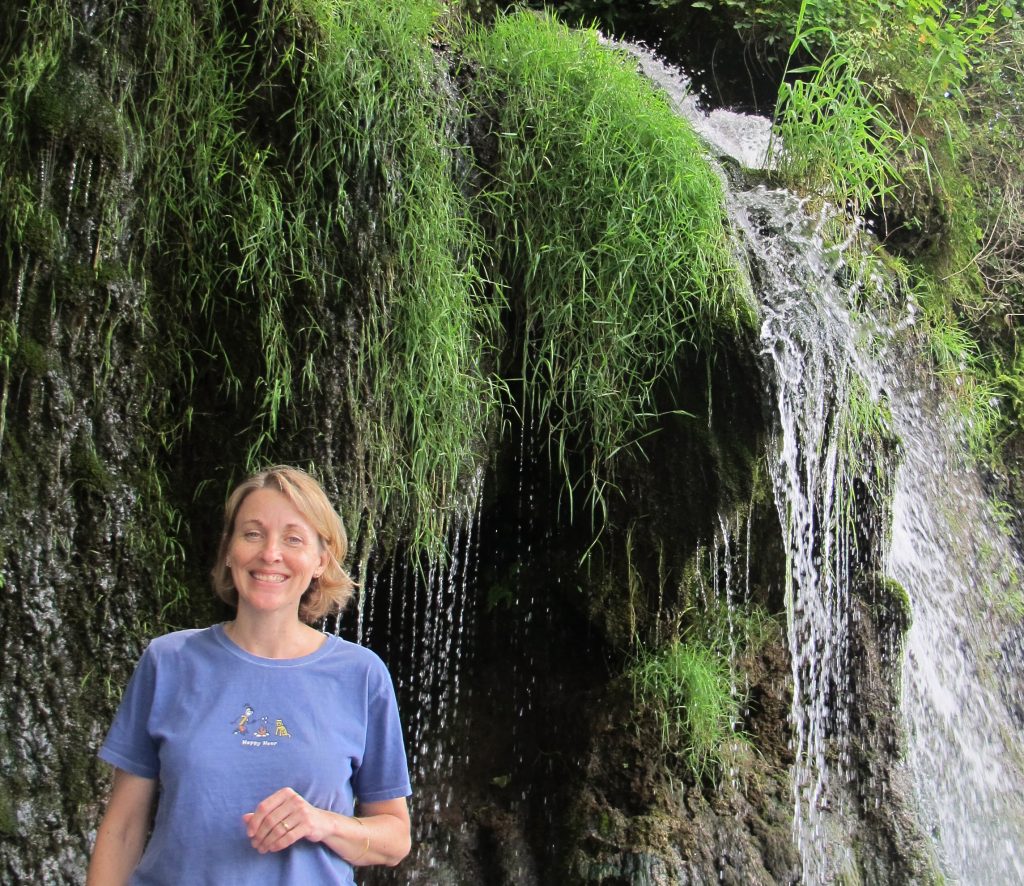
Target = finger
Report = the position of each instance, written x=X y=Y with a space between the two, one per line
x=260 y=822
x=276 y=831
x=271 y=804
x=281 y=835
x=279 y=821
x=273 y=836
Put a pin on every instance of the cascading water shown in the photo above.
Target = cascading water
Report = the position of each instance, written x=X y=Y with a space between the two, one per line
x=556 y=744
x=962 y=701
x=426 y=624
x=962 y=696
x=807 y=342
x=945 y=550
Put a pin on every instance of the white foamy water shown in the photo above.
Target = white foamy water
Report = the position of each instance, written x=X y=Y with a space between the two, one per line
x=961 y=571
x=743 y=138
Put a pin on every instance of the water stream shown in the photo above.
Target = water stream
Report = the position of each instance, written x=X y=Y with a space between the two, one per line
x=962 y=698
x=829 y=366
x=422 y=622
x=827 y=362
x=946 y=550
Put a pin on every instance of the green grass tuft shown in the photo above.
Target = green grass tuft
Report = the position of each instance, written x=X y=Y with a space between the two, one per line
x=687 y=686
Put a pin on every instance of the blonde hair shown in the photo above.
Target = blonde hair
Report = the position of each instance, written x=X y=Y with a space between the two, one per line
x=333 y=589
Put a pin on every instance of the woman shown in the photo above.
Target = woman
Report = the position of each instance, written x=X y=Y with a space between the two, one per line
x=261 y=733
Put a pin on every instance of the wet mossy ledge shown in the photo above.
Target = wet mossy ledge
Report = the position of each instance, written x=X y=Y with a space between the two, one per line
x=404 y=249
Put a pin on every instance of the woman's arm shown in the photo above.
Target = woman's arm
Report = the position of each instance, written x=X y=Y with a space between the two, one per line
x=122 y=832
x=389 y=839
x=380 y=835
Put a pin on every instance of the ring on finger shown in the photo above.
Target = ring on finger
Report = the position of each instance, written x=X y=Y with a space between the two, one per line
x=285 y=825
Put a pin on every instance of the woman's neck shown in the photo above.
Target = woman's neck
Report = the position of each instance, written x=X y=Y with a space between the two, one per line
x=273 y=638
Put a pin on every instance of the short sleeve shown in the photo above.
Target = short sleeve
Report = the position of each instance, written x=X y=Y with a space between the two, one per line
x=383 y=773
x=129 y=745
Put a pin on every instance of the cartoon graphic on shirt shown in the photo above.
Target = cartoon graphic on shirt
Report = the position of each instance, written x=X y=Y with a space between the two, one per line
x=260 y=736
x=243 y=721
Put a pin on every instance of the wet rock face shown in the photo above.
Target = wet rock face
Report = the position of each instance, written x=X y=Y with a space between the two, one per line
x=889 y=845
x=76 y=573
x=73 y=496
x=86 y=516
x=640 y=823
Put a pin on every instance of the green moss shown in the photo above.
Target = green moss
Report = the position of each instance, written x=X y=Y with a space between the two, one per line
x=889 y=605
x=32 y=225
x=892 y=605
x=71 y=106
x=40 y=234
x=32 y=357
x=8 y=811
x=42 y=237
x=114 y=272
x=88 y=469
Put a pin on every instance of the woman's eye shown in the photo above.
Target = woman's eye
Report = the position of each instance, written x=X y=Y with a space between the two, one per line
x=251 y=535
x=294 y=540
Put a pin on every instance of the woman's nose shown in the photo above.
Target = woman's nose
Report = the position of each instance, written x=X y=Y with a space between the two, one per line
x=271 y=551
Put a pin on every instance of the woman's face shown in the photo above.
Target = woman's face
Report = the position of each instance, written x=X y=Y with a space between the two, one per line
x=274 y=553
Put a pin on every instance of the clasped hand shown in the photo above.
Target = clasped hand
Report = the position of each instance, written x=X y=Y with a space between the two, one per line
x=284 y=818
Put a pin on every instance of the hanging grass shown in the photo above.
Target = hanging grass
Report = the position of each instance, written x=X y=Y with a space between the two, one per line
x=838 y=138
x=284 y=188
x=420 y=390
x=305 y=224
x=609 y=234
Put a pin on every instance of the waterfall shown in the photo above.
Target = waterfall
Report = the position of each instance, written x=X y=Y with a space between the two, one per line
x=200 y=199
x=807 y=343
x=422 y=621
x=962 y=700
x=946 y=550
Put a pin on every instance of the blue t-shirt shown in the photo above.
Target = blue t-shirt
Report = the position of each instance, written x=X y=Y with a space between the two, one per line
x=222 y=730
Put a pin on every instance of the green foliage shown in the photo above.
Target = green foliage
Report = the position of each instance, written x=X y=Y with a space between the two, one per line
x=299 y=186
x=1010 y=379
x=960 y=364
x=690 y=684
x=732 y=629
x=906 y=111
x=838 y=137
x=880 y=121
x=993 y=160
x=421 y=393
x=686 y=685
x=34 y=40
x=609 y=234
x=282 y=189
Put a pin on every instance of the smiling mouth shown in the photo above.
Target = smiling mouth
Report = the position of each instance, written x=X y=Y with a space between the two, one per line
x=263 y=576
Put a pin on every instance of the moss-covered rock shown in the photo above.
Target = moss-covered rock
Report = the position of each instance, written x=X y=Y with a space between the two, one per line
x=71 y=106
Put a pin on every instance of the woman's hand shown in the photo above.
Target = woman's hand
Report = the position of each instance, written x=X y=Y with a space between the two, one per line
x=284 y=818
x=380 y=836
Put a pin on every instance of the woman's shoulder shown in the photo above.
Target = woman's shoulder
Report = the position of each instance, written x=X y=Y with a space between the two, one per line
x=355 y=654
x=177 y=642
